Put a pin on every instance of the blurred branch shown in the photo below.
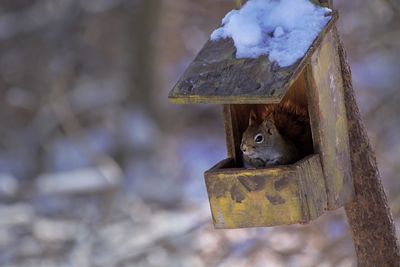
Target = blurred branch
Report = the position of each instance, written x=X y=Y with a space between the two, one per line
x=63 y=111
x=395 y=5
x=163 y=241
x=145 y=21
x=389 y=98
x=33 y=17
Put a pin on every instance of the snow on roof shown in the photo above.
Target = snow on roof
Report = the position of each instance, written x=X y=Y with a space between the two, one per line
x=281 y=29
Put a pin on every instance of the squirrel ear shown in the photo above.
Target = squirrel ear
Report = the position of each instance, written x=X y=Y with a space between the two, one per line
x=269 y=122
x=252 y=118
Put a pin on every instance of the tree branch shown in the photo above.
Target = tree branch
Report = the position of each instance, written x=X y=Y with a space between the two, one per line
x=369 y=216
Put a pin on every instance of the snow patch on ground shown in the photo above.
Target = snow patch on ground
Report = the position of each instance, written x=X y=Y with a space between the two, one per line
x=281 y=29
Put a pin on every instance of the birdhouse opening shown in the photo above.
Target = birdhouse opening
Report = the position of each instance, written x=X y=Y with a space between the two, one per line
x=290 y=117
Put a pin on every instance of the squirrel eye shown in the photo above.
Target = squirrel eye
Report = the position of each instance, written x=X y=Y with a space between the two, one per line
x=269 y=132
x=259 y=138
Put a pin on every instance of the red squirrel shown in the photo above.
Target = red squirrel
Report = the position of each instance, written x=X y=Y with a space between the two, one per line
x=276 y=135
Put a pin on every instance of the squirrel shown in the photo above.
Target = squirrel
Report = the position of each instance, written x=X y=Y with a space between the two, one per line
x=271 y=141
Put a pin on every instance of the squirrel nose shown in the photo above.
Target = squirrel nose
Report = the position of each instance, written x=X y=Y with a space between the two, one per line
x=243 y=147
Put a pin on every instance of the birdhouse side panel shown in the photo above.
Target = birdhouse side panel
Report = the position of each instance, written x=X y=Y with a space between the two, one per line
x=329 y=122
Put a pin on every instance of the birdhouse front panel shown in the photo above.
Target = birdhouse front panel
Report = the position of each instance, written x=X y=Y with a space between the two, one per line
x=266 y=197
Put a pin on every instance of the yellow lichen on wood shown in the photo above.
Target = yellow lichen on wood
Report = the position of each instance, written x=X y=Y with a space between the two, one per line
x=238 y=3
x=239 y=207
x=265 y=197
x=201 y=99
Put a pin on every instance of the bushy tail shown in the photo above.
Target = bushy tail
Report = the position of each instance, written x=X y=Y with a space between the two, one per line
x=293 y=122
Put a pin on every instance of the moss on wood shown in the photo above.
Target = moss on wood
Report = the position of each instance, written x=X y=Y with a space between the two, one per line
x=266 y=197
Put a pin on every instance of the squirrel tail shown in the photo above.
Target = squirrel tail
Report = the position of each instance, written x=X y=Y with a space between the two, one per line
x=293 y=122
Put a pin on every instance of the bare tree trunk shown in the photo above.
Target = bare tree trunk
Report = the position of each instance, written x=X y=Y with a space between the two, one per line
x=369 y=216
x=144 y=22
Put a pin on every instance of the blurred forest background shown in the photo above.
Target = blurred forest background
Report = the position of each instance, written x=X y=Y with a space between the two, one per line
x=98 y=169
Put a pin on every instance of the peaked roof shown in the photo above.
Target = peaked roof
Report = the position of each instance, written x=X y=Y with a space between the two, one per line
x=217 y=77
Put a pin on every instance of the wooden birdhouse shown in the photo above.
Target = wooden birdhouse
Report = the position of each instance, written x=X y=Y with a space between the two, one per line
x=287 y=194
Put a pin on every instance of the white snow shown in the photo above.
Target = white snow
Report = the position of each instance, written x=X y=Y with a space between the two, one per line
x=281 y=29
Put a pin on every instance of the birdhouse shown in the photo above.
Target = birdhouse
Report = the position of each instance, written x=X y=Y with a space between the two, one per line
x=286 y=194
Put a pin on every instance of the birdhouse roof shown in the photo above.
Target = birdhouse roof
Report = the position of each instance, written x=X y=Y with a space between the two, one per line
x=216 y=76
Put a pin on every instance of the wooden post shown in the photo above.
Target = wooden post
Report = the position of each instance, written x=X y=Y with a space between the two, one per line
x=369 y=216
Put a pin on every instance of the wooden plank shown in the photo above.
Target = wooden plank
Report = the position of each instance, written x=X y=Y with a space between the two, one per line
x=328 y=121
x=229 y=132
x=236 y=121
x=313 y=187
x=266 y=197
x=325 y=3
x=216 y=76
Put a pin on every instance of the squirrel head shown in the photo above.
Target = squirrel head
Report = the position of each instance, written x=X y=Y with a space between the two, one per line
x=259 y=136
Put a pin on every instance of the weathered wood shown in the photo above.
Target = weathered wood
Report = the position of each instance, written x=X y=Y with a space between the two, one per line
x=325 y=3
x=328 y=121
x=216 y=76
x=229 y=133
x=266 y=197
x=369 y=216
x=236 y=118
